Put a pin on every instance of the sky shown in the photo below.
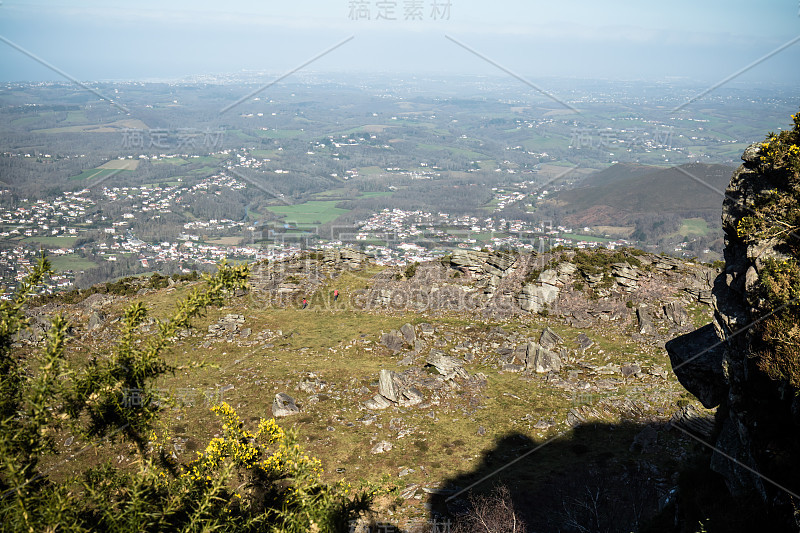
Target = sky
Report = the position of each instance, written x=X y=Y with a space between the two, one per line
x=698 y=40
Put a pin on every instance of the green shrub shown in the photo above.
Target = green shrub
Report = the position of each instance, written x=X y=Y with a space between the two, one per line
x=243 y=481
x=411 y=270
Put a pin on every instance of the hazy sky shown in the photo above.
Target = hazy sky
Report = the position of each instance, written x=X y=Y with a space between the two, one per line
x=704 y=40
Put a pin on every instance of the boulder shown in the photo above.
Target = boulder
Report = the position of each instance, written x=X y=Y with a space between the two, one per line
x=388 y=386
x=584 y=342
x=284 y=405
x=377 y=403
x=645 y=321
x=381 y=447
x=541 y=360
x=676 y=313
x=447 y=366
x=409 y=333
x=95 y=321
x=393 y=340
x=550 y=339
x=697 y=362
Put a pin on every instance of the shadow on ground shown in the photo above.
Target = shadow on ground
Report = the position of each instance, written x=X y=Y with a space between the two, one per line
x=597 y=477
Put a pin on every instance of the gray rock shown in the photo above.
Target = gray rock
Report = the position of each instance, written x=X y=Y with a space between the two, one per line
x=426 y=329
x=377 y=403
x=284 y=405
x=541 y=360
x=676 y=313
x=388 y=386
x=630 y=370
x=382 y=447
x=697 y=362
x=536 y=298
x=410 y=397
x=409 y=333
x=95 y=321
x=550 y=339
x=645 y=322
x=393 y=340
x=584 y=342
x=751 y=153
x=447 y=366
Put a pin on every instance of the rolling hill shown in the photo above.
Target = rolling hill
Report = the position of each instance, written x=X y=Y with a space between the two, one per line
x=621 y=191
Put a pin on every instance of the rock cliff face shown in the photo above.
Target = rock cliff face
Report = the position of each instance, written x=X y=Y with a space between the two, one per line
x=758 y=420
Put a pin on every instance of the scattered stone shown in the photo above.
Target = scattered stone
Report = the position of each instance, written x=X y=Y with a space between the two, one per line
x=584 y=342
x=426 y=329
x=645 y=322
x=481 y=431
x=404 y=472
x=393 y=340
x=284 y=405
x=381 y=447
x=658 y=371
x=388 y=387
x=630 y=370
x=377 y=403
x=409 y=333
x=541 y=360
x=550 y=339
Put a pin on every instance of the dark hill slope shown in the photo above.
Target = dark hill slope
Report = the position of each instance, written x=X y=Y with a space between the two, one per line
x=679 y=190
x=616 y=173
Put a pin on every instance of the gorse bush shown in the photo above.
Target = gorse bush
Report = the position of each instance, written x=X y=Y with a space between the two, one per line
x=243 y=481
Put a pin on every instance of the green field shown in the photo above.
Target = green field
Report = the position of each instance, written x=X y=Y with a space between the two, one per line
x=315 y=212
x=60 y=242
x=452 y=150
x=693 y=226
x=76 y=117
x=171 y=161
x=71 y=262
x=280 y=134
x=97 y=173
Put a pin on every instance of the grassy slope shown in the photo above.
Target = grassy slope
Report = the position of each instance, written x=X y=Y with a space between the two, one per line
x=339 y=344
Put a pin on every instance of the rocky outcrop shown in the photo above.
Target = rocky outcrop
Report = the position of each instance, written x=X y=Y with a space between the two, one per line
x=539 y=296
x=757 y=434
x=487 y=268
